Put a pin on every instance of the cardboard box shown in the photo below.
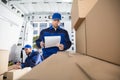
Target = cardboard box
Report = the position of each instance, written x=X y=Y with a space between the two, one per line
x=81 y=39
x=1 y=77
x=103 y=31
x=80 y=9
x=97 y=69
x=67 y=66
x=4 y=55
x=57 y=67
x=99 y=34
x=16 y=74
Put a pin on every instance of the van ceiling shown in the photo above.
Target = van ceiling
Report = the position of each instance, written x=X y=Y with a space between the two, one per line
x=42 y=6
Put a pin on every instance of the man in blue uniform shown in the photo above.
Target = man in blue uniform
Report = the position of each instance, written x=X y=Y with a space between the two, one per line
x=33 y=57
x=54 y=30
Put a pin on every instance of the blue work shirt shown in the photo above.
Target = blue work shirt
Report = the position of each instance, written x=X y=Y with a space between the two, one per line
x=32 y=59
x=52 y=32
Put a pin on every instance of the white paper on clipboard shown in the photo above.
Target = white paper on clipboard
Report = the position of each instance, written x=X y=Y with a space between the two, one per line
x=52 y=41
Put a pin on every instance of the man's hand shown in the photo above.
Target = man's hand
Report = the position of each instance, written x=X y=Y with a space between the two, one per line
x=15 y=66
x=18 y=65
x=60 y=46
x=42 y=44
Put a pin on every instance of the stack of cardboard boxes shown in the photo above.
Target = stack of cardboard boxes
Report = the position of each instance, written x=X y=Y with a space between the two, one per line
x=97 y=25
x=99 y=33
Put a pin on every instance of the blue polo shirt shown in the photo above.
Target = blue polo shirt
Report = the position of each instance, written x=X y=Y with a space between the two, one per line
x=52 y=32
x=32 y=59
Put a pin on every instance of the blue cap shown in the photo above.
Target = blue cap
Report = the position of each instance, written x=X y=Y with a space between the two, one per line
x=56 y=16
x=27 y=46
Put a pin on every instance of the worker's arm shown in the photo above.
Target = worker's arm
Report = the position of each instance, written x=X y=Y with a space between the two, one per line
x=39 y=41
x=66 y=43
x=15 y=66
x=23 y=65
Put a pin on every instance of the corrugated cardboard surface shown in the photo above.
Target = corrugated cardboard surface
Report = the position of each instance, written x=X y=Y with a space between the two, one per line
x=103 y=31
x=80 y=9
x=99 y=70
x=66 y=66
x=16 y=74
x=78 y=23
x=1 y=77
x=81 y=39
x=57 y=67
x=75 y=13
x=4 y=55
x=85 y=6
